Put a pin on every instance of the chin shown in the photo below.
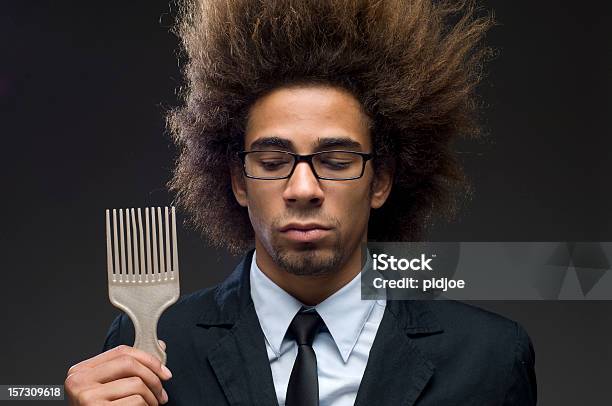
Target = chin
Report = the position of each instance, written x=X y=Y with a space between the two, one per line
x=308 y=259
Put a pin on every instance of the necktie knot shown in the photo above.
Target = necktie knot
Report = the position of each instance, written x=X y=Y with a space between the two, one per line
x=305 y=326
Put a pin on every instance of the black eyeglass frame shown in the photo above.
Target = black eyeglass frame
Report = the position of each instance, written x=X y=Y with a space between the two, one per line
x=297 y=158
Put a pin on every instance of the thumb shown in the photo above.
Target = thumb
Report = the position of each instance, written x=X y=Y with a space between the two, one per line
x=162 y=344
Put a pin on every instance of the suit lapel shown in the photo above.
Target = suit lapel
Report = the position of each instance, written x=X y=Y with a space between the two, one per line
x=241 y=364
x=397 y=371
x=240 y=360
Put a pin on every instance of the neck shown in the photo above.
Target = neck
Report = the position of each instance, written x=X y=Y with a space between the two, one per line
x=308 y=289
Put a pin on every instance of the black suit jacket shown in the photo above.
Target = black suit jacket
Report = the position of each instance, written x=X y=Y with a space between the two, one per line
x=425 y=352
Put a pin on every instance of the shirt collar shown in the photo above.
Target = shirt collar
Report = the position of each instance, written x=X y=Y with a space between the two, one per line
x=344 y=312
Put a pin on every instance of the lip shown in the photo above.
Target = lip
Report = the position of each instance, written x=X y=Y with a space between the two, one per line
x=304 y=227
x=305 y=232
x=310 y=235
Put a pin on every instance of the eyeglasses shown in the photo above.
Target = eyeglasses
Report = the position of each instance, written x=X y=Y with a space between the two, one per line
x=328 y=165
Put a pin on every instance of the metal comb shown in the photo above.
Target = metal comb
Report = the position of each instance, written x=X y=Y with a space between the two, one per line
x=143 y=272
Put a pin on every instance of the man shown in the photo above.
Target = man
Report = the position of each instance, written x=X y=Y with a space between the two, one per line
x=308 y=128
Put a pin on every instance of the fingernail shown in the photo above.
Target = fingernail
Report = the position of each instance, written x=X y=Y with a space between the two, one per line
x=162 y=344
x=167 y=371
x=164 y=396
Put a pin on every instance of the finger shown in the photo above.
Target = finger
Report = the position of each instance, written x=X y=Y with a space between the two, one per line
x=144 y=358
x=126 y=387
x=121 y=389
x=134 y=400
x=162 y=344
x=124 y=367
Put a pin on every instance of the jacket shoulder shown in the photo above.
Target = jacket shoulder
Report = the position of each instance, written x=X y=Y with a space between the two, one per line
x=474 y=328
x=465 y=318
x=487 y=347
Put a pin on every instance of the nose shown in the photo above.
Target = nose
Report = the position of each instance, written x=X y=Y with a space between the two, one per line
x=303 y=187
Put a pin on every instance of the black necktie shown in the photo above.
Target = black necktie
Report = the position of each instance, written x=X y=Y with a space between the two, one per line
x=303 y=389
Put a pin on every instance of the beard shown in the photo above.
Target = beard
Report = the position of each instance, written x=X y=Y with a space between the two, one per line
x=308 y=259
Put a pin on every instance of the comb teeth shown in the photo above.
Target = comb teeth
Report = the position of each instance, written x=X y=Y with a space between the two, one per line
x=137 y=257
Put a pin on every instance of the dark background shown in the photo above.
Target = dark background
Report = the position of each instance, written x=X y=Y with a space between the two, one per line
x=83 y=90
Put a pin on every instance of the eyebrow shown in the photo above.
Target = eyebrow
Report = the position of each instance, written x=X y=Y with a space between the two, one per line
x=320 y=144
x=277 y=142
x=336 y=142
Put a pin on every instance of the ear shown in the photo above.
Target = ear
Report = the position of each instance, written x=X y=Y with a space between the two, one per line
x=381 y=187
x=239 y=185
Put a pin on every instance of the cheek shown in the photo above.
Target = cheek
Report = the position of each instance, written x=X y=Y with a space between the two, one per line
x=261 y=207
x=351 y=207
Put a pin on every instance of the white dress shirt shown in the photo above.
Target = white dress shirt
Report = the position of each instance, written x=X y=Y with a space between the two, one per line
x=342 y=348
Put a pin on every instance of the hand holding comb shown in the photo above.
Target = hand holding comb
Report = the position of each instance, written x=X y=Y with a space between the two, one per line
x=143 y=273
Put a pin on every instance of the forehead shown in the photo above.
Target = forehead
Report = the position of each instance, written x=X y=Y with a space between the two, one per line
x=306 y=116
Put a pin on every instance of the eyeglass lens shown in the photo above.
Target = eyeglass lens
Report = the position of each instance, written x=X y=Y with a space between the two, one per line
x=276 y=164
